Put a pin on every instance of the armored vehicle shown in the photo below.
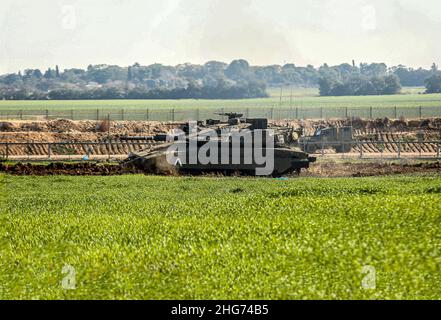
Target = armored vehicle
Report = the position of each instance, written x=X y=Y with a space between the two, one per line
x=338 y=138
x=237 y=145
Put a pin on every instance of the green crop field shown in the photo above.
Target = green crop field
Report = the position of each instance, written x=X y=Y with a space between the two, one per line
x=301 y=98
x=220 y=238
x=303 y=104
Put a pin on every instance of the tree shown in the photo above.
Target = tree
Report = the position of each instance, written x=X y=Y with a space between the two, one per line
x=325 y=86
x=57 y=72
x=359 y=85
x=37 y=74
x=238 y=69
x=433 y=84
x=392 y=85
x=373 y=69
x=10 y=79
x=129 y=74
x=48 y=74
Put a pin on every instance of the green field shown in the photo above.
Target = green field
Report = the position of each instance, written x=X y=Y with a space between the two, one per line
x=303 y=104
x=301 y=98
x=220 y=238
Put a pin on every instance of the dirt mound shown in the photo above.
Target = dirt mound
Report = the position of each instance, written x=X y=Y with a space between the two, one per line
x=382 y=124
x=6 y=126
x=62 y=125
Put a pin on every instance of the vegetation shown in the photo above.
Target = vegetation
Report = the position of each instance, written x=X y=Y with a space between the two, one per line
x=360 y=86
x=218 y=238
x=433 y=84
x=303 y=98
x=213 y=80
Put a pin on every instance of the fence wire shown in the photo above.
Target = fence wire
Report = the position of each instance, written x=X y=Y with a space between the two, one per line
x=120 y=149
x=181 y=114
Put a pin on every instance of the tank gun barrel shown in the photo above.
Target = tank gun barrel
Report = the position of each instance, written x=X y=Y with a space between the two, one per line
x=230 y=115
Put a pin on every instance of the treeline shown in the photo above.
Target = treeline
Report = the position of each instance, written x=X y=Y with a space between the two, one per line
x=360 y=86
x=241 y=90
x=212 y=80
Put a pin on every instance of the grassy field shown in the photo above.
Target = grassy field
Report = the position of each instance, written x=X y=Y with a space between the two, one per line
x=304 y=104
x=298 y=92
x=301 y=98
x=225 y=238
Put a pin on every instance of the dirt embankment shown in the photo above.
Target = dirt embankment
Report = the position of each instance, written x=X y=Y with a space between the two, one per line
x=368 y=126
x=321 y=169
x=63 y=130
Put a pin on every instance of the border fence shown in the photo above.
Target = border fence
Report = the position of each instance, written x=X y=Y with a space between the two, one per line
x=184 y=114
x=117 y=149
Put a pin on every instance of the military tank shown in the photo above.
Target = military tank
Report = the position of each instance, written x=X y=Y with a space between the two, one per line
x=236 y=146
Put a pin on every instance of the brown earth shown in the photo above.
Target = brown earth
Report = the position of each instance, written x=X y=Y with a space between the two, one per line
x=321 y=169
x=62 y=130
x=59 y=168
x=368 y=169
x=363 y=125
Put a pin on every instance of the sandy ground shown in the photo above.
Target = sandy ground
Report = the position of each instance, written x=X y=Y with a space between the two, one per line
x=67 y=130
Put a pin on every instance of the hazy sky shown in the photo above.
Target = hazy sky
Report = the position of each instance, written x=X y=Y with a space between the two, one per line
x=75 y=33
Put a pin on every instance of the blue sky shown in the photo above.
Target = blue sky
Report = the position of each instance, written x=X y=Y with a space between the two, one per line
x=75 y=33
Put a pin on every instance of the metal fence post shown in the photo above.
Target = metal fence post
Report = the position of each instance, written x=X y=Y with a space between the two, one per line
x=399 y=149
x=97 y=114
x=370 y=113
x=7 y=151
x=421 y=112
x=297 y=113
x=360 y=145
x=172 y=114
x=47 y=114
x=122 y=114
x=395 y=113
x=346 y=112
x=49 y=150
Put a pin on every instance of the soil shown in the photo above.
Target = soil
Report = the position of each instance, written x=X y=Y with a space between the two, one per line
x=62 y=130
x=325 y=169
x=59 y=168
x=368 y=169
